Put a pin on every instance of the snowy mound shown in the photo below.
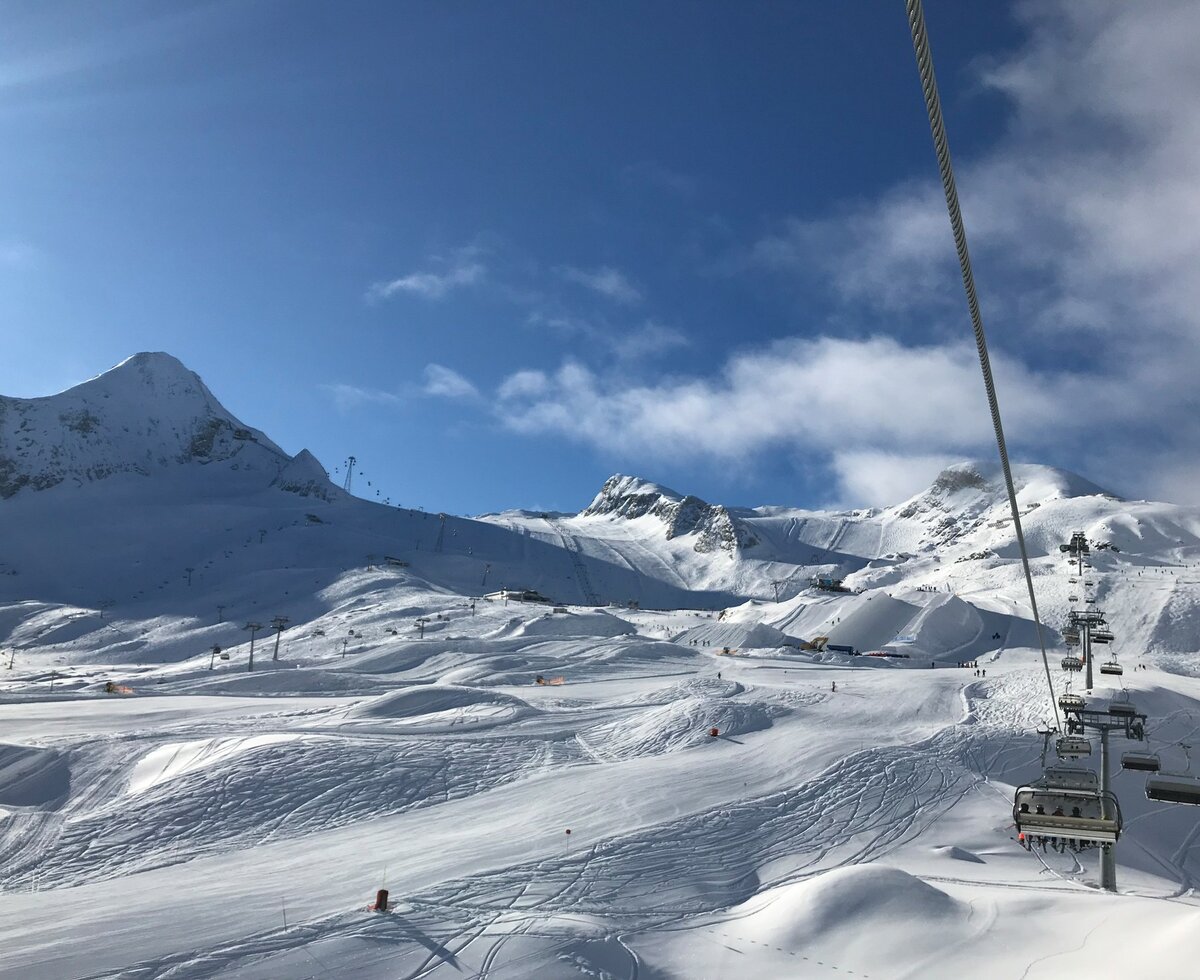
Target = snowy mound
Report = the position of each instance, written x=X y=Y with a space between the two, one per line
x=947 y=623
x=599 y=624
x=860 y=908
x=736 y=636
x=704 y=686
x=176 y=759
x=956 y=853
x=32 y=777
x=413 y=702
x=674 y=726
x=288 y=682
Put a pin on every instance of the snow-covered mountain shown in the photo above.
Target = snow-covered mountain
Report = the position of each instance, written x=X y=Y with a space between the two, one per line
x=712 y=526
x=235 y=521
x=146 y=414
x=717 y=778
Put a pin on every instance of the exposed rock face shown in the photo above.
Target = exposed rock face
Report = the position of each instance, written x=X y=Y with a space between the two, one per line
x=714 y=527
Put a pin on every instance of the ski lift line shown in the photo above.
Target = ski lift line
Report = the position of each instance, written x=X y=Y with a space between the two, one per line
x=941 y=145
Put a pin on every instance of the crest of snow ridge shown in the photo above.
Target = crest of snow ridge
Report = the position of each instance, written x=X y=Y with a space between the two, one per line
x=630 y=497
x=147 y=413
x=964 y=496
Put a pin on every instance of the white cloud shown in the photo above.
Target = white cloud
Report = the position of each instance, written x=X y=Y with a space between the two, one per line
x=347 y=397
x=463 y=268
x=646 y=341
x=828 y=394
x=1084 y=222
x=442 y=382
x=877 y=478
x=524 y=384
x=642 y=342
x=607 y=281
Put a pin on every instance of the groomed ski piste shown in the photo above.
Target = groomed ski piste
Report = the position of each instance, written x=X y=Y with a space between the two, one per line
x=851 y=817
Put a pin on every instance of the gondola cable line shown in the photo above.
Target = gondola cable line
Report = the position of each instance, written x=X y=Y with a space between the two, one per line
x=941 y=144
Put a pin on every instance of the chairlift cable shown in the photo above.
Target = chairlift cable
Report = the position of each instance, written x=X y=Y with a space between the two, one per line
x=941 y=145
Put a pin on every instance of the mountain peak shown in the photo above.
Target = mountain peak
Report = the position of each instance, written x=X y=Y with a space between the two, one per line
x=148 y=412
x=1032 y=481
x=628 y=496
x=632 y=497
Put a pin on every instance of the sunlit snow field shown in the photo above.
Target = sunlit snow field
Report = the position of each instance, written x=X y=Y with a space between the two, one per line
x=864 y=832
x=204 y=820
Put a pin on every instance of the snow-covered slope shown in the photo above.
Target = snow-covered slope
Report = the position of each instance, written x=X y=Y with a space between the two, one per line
x=550 y=791
x=239 y=526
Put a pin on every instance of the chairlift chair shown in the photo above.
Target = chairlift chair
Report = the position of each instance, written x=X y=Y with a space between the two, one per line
x=1112 y=667
x=1072 y=598
x=1141 y=761
x=1122 y=709
x=1067 y=777
x=1172 y=787
x=1084 y=815
x=1072 y=747
x=1102 y=636
x=1175 y=787
x=1071 y=702
x=1072 y=663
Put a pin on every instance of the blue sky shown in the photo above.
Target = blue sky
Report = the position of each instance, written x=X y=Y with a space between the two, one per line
x=501 y=251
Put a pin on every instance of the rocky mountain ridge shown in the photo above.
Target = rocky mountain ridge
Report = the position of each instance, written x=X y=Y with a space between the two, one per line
x=682 y=514
x=146 y=414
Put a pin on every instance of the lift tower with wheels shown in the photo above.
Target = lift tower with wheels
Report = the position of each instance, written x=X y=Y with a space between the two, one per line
x=1122 y=718
x=1088 y=623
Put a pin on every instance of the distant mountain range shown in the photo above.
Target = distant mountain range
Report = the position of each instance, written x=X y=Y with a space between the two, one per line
x=110 y=490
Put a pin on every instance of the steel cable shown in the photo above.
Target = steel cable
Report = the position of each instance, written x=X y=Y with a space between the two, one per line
x=941 y=145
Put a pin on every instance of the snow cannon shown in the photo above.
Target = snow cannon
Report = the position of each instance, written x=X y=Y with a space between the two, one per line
x=381 y=901
x=714 y=732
